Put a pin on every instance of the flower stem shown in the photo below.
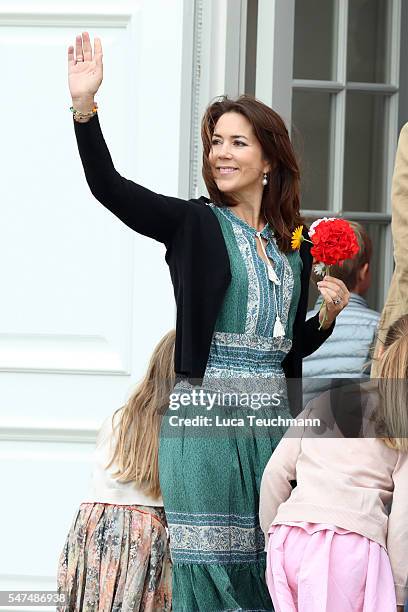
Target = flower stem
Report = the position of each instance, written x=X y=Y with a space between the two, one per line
x=323 y=307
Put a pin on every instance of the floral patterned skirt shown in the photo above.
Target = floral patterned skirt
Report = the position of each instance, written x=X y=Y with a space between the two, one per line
x=116 y=558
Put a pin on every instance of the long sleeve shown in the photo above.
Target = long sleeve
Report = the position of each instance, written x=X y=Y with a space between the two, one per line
x=144 y=211
x=397 y=537
x=275 y=484
x=313 y=337
x=399 y=198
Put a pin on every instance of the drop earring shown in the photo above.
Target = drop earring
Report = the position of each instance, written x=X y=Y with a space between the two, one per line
x=265 y=179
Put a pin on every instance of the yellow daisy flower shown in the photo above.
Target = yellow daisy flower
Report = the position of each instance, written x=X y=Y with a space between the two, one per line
x=297 y=237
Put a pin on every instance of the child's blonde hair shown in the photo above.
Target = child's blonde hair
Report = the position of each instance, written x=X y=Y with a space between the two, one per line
x=393 y=375
x=137 y=432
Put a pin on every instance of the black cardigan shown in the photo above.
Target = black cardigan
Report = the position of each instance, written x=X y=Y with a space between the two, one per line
x=196 y=255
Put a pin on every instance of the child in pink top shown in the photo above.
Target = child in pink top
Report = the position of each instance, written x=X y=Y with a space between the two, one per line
x=338 y=542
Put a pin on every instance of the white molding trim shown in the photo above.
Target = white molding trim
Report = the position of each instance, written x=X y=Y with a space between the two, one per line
x=59 y=353
x=188 y=123
x=49 y=434
x=196 y=87
x=65 y=18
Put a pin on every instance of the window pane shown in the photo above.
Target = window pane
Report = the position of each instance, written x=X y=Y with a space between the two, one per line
x=311 y=121
x=315 y=39
x=368 y=41
x=365 y=153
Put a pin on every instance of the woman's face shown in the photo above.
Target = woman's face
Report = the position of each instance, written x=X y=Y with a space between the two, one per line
x=236 y=157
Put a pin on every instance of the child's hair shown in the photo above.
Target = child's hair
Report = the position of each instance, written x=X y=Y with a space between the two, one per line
x=137 y=432
x=393 y=375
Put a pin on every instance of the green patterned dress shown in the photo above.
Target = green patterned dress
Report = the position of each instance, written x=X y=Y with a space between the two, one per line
x=210 y=474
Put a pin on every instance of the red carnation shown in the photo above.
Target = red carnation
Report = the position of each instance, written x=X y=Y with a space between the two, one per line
x=334 y=241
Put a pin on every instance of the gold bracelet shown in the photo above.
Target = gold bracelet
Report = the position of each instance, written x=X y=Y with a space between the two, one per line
x=78 y=115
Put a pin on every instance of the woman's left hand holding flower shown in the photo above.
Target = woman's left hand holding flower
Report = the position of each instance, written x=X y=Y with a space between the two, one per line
x=336 y=297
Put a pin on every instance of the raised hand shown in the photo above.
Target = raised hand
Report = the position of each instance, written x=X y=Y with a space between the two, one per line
x=85 y=70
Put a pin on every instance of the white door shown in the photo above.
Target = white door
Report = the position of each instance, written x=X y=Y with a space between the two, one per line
x=84 y=299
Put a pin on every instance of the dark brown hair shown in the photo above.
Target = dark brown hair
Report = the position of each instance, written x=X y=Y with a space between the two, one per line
x=281 y=196
x=350 y=268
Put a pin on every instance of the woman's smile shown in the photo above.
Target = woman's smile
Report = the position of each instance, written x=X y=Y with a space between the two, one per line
x=227 y=169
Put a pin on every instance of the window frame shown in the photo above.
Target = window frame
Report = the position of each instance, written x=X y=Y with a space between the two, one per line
x=277 y=90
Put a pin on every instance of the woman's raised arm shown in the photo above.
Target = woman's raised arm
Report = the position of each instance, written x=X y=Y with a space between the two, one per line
x=144 y=211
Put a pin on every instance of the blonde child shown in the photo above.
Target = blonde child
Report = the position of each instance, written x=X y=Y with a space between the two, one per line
x=116 y=556
x=332 y=545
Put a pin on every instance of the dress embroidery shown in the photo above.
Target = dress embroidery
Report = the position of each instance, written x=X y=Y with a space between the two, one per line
x=215 y=538
x=254 y=291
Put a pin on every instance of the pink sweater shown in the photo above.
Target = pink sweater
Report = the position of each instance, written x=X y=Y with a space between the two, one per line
x=347 y=482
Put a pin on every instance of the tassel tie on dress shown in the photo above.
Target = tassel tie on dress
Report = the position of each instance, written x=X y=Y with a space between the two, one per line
x=278 y=329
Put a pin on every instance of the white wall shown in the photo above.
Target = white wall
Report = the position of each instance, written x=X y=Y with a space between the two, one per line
x=84 y=299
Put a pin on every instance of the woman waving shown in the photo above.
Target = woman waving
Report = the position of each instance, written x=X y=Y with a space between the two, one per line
x=241 y=296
